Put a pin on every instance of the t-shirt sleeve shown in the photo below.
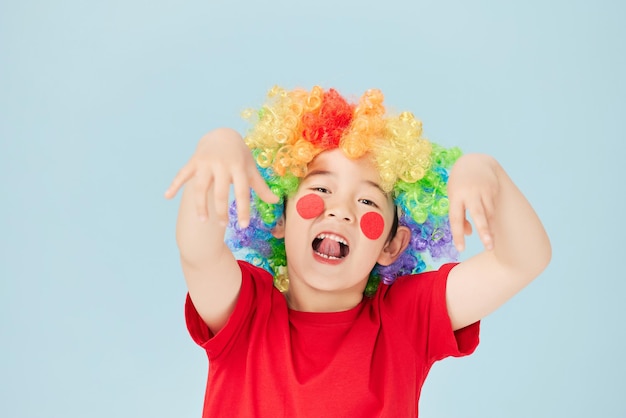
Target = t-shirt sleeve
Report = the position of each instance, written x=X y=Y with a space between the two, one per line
x=419 y=304
x=254 y=283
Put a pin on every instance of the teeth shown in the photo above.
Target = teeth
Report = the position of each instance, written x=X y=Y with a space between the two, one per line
x=333 y=237
x=330 y=257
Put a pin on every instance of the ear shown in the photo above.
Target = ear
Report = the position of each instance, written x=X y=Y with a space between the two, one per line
x=278 y=231
x=392 y=250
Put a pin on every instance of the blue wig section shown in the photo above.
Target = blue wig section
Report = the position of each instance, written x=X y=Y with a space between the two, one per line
x=256 y=244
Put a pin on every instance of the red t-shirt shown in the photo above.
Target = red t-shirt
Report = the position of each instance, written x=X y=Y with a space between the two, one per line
x=369 y=361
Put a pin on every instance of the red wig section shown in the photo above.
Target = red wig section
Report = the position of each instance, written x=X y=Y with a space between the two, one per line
x=325 y=127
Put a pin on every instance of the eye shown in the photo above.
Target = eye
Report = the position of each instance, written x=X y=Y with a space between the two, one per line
x=320 y=189
x=368 y=202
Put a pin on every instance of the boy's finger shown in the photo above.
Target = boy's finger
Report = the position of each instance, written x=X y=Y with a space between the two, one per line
x=477 y=212
x=181 y=177
x=221 y=186
x=201 y=186
x=489 y=210
x=489 y=205
x=262 y=189
x=467 y=227
x=241 y=190
x=456 y=215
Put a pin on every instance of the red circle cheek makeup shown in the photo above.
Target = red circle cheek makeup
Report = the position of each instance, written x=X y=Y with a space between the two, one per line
x=372 y=225
x=310 y=206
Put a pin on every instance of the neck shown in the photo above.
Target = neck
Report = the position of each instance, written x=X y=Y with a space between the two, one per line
x=315 y=300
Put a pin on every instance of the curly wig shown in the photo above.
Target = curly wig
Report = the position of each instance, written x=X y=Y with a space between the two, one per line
x=294 y=126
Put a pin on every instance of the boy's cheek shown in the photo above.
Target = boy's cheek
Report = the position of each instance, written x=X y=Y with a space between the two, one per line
x=372 y=224
x=310 y=206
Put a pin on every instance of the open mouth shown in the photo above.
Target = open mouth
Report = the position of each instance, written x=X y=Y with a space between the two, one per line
x=330 y=246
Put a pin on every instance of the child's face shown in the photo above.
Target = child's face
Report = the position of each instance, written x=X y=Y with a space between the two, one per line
x=336 y=225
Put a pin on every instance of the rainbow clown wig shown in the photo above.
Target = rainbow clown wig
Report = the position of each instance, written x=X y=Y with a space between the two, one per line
x=293 y=127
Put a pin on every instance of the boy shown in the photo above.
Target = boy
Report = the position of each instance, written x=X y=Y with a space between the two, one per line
x=357 y=191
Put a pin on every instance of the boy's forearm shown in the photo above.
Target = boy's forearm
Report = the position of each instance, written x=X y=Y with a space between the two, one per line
x=520 y=240
x=199 y=242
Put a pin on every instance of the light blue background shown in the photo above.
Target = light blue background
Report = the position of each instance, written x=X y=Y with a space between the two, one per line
x=101 y=102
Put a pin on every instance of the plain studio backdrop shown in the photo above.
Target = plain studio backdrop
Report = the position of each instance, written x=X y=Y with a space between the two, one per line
x=101 y=102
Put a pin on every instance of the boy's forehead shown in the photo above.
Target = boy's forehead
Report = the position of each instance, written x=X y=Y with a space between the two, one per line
x=336 y=159
x=334 y=163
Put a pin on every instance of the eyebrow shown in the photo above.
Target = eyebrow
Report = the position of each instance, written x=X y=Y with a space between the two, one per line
x=330 y=173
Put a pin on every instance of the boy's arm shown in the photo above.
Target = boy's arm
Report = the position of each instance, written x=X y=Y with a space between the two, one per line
x=210 y=269
x=517 y=248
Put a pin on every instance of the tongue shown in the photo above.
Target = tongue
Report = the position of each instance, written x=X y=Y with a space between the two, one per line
x=329 y=247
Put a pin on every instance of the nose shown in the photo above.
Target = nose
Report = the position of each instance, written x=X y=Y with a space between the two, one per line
x=340 y=212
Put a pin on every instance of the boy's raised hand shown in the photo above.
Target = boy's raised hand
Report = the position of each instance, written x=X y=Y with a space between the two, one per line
x=517 y=248
x=473 y=187
x=221 y=159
